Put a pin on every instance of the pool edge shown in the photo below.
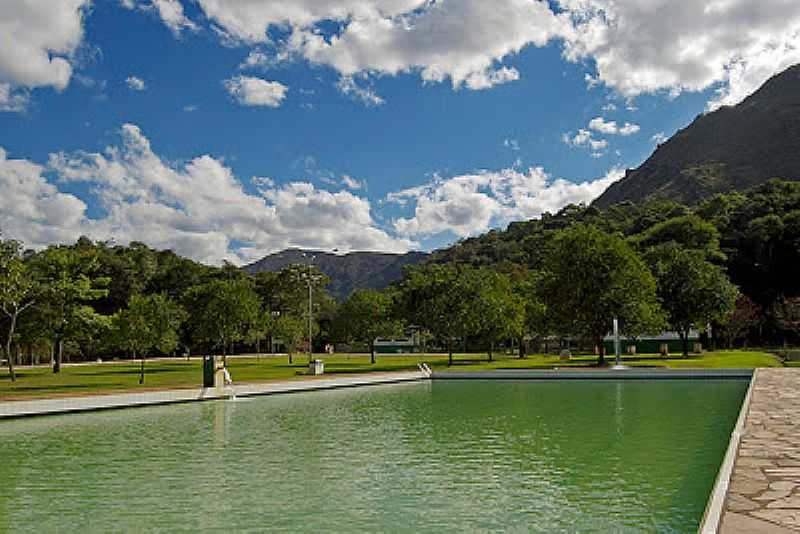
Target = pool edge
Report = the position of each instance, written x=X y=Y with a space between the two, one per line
x=716 y=500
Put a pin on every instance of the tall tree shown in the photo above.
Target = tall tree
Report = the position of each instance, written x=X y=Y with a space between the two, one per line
x=16 y=292
x=787 y=316
x=227 y=308
x=366 y=315
x=500 y=313
x=593 y=277
x=149 y=322
x=69 y=285
x=440 y=298
x=693 y=291
x=290 y=330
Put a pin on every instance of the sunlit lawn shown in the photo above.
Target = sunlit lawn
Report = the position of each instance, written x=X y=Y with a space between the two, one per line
x=161 y=374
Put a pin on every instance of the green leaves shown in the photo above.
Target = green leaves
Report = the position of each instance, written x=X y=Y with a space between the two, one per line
x=593 y=277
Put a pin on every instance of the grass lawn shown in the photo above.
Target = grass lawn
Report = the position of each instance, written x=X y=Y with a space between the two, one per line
x=160 y=374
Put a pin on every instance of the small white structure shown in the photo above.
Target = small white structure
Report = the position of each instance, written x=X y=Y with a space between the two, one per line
x=316 y=367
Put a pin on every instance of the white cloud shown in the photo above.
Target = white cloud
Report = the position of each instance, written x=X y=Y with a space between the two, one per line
x=37 y=41
x=135 y=83
x=609 y=107
x=470 y=204
x=11 y=99
x=659 y=138
x=347 y=86
x=684 y=45
x=190 y=108
x=463 y=41
x=351 y=183
x=599 y=124
x=512 y=144
x=199 y=209
x=250 y=91
x=169 y=11
x=584 y=138
x=32 y=209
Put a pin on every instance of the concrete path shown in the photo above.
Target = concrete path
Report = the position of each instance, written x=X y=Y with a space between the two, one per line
x=764 y=491
x=25 y=408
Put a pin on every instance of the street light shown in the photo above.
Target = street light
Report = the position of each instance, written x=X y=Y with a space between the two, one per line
x=311 y=257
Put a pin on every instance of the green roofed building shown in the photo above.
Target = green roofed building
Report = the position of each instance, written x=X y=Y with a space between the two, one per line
x=650 y=344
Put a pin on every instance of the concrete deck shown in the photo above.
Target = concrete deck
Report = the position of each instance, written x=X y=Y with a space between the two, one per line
x=763 y=490
x=25 y=408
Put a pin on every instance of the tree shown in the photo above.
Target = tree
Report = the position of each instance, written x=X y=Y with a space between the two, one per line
x=745 y=316
x=535 y=323
x=366 y=315
x=440 y=298
x=593 y=277
x=16 y=292
x=69 y=285
x=500 y=313
x=787 y=315
x=693 y=291
x=259 y=329
x=149 y=322
x=291 y=331
x=227 y=308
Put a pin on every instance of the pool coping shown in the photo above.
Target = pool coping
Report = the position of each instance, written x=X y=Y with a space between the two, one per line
x=89 y=403
x=715 y=506
x=631 y=373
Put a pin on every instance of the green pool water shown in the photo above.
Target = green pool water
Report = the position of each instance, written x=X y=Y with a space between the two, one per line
x=563 y=456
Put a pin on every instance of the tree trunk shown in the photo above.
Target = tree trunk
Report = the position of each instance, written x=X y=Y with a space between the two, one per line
x=290 y=357
x=59 y=355
x=141 y=369
x=521 y=348
x=684 y=342
x=372 y=352
x=491 y=349
x=601 y=352
x=224 y=356
x=450 y=351
x=8 y=348
x=258 y=348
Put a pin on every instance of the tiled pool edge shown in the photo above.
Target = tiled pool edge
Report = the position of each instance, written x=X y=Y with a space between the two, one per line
x=65 y=405
x=716 y=501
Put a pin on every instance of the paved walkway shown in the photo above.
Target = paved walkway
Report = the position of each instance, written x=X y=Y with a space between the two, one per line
x=123 y=400
x=764 y=491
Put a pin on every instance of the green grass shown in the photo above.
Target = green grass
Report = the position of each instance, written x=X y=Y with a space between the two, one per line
x=124 y=376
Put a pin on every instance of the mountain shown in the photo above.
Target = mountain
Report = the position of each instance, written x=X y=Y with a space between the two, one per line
x=356 y=270
x=732 y=148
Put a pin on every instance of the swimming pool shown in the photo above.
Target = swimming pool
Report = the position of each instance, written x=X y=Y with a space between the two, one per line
x=556 y=455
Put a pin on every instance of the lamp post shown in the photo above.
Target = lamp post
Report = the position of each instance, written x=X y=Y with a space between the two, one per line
x=310 y=305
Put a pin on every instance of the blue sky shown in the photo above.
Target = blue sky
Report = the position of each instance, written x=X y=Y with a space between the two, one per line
x=230 y=129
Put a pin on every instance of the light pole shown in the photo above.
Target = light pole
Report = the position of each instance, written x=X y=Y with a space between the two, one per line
x=310 y=304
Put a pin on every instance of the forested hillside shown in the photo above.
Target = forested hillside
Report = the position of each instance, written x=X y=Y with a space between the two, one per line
x=732 y=148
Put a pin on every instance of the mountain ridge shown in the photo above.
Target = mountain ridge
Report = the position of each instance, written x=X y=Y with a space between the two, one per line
x=732 y=148
x=353 y=270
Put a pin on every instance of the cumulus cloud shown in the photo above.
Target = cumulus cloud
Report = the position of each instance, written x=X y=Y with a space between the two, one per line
x=351 y=183
x=512 y=144
x=464 y=42
x=584 y=138
x=11 y=99
x=599 y=124
x=169 y=11
x=683 y=45
x=632 y=46
x=37 y=41
x=135 y=83
x=470 y=204
x=250 y=91
x=199 y=209
x=366 y=95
